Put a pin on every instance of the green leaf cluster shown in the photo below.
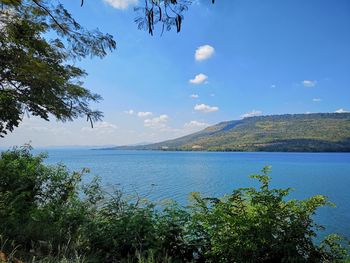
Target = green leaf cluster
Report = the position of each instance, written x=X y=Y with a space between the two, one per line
x=39 y=43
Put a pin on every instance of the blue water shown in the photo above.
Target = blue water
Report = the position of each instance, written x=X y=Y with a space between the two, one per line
x=160 y=175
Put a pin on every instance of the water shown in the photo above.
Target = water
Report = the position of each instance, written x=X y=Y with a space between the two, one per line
x=160 y=175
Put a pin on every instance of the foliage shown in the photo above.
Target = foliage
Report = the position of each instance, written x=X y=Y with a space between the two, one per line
x=167 y=13
x=258 y=225
x=39 y=42
x=319 y=132
x=39 y=205
x=48 y=215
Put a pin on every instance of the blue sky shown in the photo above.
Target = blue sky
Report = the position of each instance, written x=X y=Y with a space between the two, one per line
x=257 y=57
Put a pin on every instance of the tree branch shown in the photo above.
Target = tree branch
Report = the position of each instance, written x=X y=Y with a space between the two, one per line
x=49 y=13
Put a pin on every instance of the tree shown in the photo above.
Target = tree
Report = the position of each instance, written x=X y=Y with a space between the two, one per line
x=37 y=74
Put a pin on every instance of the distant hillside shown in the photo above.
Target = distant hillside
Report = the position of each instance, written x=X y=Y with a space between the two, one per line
x=319 y=132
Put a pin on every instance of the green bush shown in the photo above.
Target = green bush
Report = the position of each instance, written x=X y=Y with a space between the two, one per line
x=49 y=215
x=40 y=208
x=258 y=225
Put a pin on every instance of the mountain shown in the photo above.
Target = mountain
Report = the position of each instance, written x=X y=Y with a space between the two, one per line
x=318 y=132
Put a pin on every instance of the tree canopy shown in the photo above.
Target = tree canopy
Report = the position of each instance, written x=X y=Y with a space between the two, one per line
x=37 y=72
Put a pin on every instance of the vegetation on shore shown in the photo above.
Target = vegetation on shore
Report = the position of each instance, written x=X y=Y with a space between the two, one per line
x=48 y=214
x=318 y=132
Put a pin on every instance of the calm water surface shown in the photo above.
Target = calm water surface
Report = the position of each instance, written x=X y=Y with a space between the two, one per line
x=160 y=175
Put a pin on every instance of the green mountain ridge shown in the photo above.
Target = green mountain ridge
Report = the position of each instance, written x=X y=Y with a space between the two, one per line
x=317 y=132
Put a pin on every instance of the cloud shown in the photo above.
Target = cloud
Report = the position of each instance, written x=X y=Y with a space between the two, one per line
x=194 y=96
x=121 y=4
x=130 y=112
x=309 y=83
x=105 y=125
x=205 y=108
x=157 y=122
x=204 y=52
x=251 y=114
x=56 y=131
x=316 y=100
x=341 y=111
x=199 y=79
x=273 y=86
x=144 y=114
x=196 y=124
x=101 y=128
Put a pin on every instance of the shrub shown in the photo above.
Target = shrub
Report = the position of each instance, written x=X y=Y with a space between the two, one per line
x=49 y=215
x=40 y=208
x=259 y=225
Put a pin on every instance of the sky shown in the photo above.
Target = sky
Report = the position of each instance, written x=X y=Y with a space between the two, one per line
x=231 y=60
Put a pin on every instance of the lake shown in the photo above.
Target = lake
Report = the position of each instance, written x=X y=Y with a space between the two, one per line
x=160 y=175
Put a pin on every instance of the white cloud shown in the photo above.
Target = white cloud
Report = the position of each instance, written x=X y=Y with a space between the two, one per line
x=196 y=124
x=251 y=114
x=101 y=128
x=105 y=125
x=212 y=95
x=130 y=112
x=121 y=4
x=273 y=86
x=341 y=111
x=47 y=130
x=199 y=79
x=204 y=52
x=309 y=83
x=194 y=96
x=205 y=108
x=316 y=100
x=157 y=122
x=144 y=114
